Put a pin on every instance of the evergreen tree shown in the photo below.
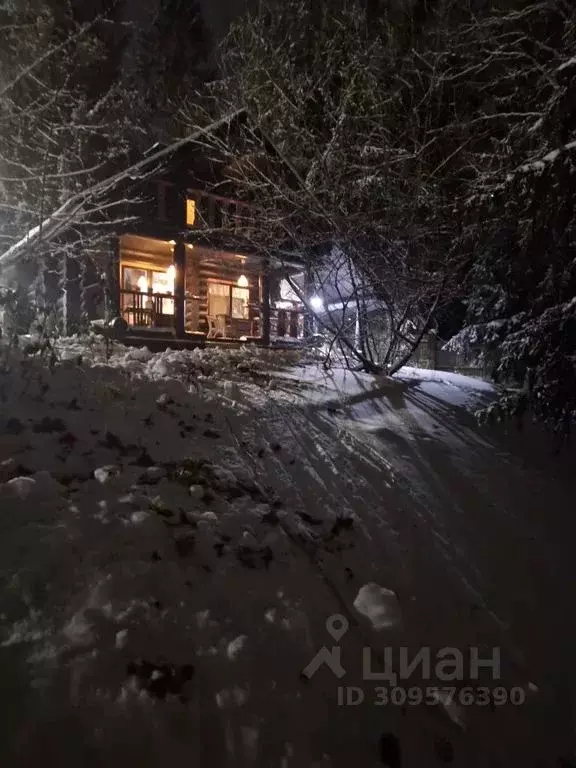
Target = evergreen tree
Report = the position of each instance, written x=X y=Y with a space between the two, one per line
x=521 y=224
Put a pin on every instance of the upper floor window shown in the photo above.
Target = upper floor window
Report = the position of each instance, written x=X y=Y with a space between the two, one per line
x=190 y=212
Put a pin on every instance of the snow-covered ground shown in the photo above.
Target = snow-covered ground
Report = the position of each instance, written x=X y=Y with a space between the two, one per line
x=183 y=533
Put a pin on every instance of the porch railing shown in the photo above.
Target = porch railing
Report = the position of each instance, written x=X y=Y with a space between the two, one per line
x=287 y=323
x=150 y=310
x=157 y=310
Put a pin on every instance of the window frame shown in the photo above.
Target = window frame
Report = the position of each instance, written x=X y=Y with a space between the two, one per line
x=138 y=267
x=231 y=285
x=148 y=271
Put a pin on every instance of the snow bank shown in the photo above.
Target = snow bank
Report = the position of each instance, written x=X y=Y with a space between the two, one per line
x=176 y=530
x=146 y=541
x=339 y=385
x=452 y=388
x=184 y=365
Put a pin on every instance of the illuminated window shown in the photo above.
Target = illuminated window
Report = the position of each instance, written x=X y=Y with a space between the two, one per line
x=163 y=284
x=229 y=300
x=160 y=283
x=240 y=298
x=135 y=279
x=218 y=299
x=190 y=212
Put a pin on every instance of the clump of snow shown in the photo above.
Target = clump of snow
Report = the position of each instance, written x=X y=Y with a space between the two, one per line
x=20 y=487
x=140 y=354
x=105 y=474
x=196 y=491
x=140 y=516
x=153 y=474
x=379 y=605
x=235 y=646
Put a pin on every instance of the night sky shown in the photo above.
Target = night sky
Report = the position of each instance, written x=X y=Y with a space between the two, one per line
x=219 y=13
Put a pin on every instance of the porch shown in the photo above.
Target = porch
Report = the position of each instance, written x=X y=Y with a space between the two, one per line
x=181 y=291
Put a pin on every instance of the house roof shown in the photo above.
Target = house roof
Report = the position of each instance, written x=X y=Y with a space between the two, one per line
x=73 y=209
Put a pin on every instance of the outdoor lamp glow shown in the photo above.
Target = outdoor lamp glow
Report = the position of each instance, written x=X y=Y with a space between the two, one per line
x=317 y=303
x=243 y=281
x=143 y=284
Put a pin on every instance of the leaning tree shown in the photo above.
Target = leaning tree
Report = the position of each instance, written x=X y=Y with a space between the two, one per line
x=64 y=124
x=82 y=93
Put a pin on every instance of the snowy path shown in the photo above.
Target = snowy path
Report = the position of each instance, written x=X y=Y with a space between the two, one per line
x=163 y=612
x=476 y=542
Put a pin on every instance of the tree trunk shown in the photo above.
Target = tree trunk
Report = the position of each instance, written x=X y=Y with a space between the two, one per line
x=265 y=302
x=112 y=288
x=71 y=304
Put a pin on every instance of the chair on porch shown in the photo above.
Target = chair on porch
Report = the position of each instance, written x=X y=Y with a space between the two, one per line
x=217 y=326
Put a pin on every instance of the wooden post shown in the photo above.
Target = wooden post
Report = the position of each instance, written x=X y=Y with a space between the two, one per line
x=192 y=288
x=51 y=292
x=265 y=302
x=90 y=290
x=179 y=289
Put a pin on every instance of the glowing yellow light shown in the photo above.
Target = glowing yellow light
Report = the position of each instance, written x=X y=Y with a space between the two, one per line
x=243 y=281
x=170 y=278
x=190 y=212
x=143 y=284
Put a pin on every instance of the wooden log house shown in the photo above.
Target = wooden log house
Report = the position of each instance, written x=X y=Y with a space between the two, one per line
x=179 y=266
x=185 y=268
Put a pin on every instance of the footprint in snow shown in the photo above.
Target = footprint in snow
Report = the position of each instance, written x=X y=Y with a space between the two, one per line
x=161 y=680
x=444 y=750
x=389 y=751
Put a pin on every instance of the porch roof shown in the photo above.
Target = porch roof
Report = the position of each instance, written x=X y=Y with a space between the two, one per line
x=150 y=247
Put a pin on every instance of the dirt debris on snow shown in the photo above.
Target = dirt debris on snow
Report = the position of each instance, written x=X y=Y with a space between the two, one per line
x=177 y=534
